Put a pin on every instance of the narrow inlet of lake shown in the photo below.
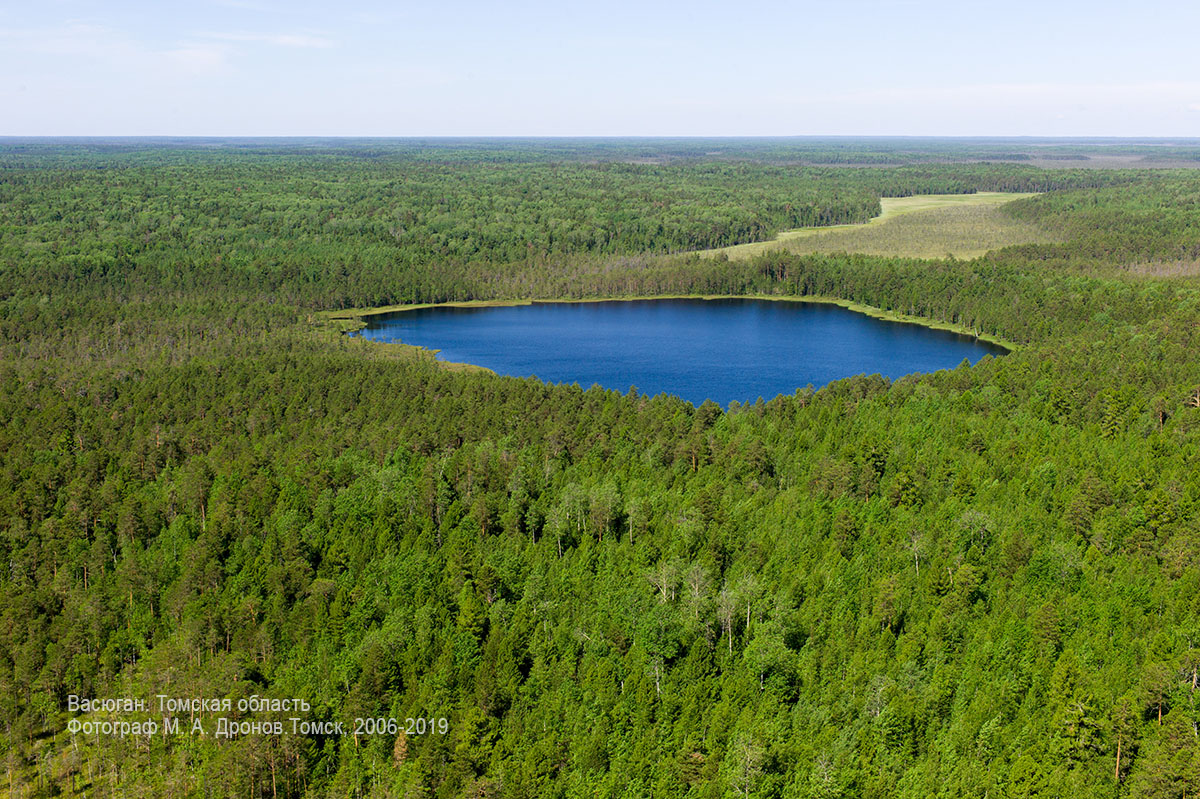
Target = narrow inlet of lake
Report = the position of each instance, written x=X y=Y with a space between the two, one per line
x=723 y=349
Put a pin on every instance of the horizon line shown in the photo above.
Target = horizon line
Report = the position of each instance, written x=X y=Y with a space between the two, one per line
x=600 y=136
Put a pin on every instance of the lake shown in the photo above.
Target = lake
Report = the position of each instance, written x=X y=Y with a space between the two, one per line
x=722 y=349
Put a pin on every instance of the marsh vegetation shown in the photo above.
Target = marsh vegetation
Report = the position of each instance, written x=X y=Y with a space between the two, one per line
x=921 y=226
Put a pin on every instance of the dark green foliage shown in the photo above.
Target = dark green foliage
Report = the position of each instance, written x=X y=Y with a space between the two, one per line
x=980 y=582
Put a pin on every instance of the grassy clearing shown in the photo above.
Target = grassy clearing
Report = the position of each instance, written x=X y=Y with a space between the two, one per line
x=1172 y=269
x=926 y=226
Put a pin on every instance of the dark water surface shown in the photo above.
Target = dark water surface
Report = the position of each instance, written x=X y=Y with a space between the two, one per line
x=724 y=350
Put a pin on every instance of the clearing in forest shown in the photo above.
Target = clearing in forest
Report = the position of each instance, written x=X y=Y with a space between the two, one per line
x=923 y=226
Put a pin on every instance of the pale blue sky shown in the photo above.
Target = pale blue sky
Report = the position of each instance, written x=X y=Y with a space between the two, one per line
x=873 y=67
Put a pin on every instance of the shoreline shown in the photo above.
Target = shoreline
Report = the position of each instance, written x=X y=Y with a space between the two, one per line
x=352 y=319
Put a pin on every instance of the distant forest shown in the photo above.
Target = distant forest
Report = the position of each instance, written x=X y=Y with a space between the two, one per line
x=980 y=582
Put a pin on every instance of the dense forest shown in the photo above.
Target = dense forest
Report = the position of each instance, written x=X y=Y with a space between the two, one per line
x=980 y=582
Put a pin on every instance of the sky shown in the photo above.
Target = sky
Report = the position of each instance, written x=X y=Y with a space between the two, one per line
x=618 y=68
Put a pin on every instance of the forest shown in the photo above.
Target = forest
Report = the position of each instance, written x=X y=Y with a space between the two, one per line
x=979 y=582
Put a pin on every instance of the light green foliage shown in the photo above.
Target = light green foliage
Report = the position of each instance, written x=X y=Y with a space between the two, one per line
x=926 y=226
x=979 y=582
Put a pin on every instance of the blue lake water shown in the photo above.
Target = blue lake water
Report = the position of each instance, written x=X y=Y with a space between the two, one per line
x=724 y=350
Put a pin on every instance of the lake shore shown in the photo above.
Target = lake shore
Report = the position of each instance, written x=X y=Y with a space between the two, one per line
x=352 y=319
